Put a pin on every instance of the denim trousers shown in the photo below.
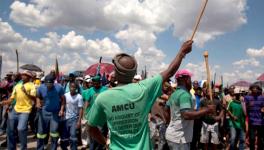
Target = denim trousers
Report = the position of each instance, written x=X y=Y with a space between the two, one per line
x=19 y=121
x=69 y=134
x=239 y=134
x=4 y=116
x=48 y=122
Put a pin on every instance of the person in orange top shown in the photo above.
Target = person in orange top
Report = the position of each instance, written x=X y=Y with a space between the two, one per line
x=24 y=93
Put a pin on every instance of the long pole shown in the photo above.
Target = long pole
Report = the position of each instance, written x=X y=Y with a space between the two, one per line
x=199 y=19
x=17 y=59
x=208 y=75
x=0 y=67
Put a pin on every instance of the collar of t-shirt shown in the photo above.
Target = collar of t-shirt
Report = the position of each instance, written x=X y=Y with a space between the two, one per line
x=183 y=88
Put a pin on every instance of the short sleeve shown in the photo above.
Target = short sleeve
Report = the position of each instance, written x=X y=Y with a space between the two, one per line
x=33 y=91
x=185 y=101
x=97 y=116
x=88 y=96
x=39 y=92
x=218 y=105
x=83 y=93
x=80 y=101
x=167 y=104
x=61 y=91
x=154 y=86
x=13 y=95
x=230 y=107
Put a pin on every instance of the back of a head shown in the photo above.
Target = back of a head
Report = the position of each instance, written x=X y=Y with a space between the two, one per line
x=125 y=68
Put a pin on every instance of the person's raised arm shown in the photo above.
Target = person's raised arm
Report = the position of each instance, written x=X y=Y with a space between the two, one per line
x=175 y=64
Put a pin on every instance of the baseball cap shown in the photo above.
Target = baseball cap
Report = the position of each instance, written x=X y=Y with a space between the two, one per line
x=72 y=75
x=79 y=78
x=49 y=79
x=87 y=78
x=96 y=78
x=182 y=73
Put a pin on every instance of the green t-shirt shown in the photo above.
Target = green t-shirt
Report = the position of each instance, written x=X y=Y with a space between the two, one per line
x=236 y=109
x=209 y=118
x=85 y=94
x=125 y=109
x=90 y=96
x=179 y=129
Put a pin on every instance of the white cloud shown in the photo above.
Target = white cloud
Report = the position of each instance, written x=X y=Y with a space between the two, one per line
x=74 y=52
x=113 y=15
x=255 y=52
x=30 y=14
x=152 y=58
x=246 y=62
x=135 y=36
x=104 y=47
x=199 y=73
x=7 y=34
x=199 y=70
x=134 y=24
x=71 y=41
x=237 y=75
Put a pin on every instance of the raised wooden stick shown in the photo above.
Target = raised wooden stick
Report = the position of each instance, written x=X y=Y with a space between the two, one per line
x=199 y=19
x=208 y=75
x=17 y=60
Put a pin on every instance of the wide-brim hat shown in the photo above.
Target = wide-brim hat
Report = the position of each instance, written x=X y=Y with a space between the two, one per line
x=27 y=73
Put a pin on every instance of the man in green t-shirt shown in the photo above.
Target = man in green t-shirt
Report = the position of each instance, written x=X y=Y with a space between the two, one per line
x=125 y=108
x=89 y=99
x=237 y=122
x=180 y=111
x=90 y=96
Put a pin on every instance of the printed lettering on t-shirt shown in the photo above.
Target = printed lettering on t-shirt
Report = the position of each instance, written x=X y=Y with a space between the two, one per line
x=123 y=107
x=124 y=121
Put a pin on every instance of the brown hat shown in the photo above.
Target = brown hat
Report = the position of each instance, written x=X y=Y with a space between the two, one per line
x=28 y=73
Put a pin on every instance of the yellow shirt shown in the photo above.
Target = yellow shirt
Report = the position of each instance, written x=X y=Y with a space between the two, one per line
x=23 y=102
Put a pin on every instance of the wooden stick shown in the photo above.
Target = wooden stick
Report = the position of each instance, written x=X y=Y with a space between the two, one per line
x=199 y=19
x=208 y=75
x=17 y=59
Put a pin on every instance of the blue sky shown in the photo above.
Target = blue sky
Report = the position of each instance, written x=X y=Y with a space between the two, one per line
x=152 y=31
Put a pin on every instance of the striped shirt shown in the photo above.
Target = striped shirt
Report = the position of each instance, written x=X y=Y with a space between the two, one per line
x=254 y=105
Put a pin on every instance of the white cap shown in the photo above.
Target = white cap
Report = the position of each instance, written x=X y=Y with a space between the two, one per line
x=88 y=78
x=79 y=78
x=137 y=77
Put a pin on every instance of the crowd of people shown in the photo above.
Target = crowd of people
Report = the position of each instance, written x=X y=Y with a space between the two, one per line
x=128 y=112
